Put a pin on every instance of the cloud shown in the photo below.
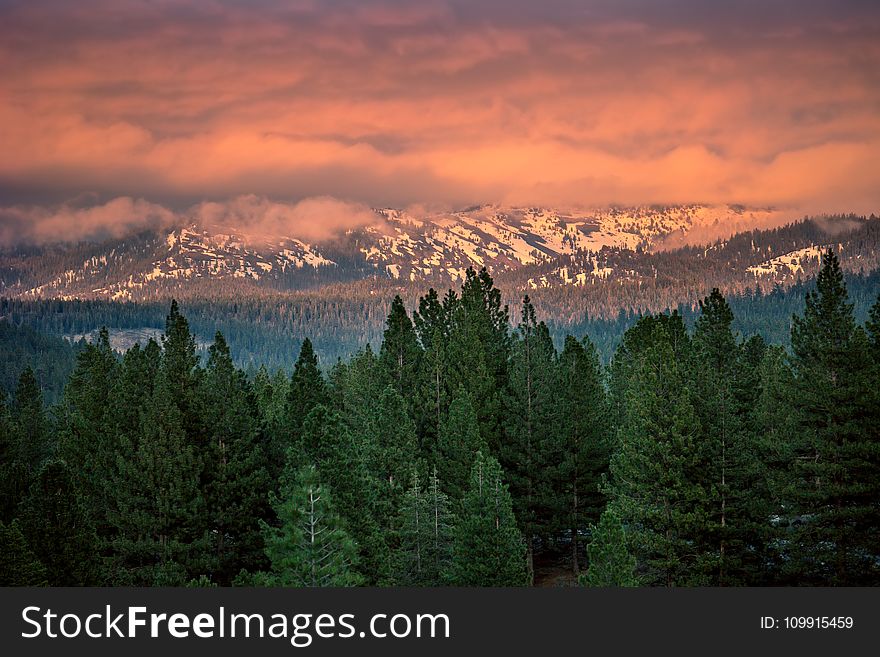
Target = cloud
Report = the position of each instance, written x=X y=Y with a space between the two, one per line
x=253 y=217
x=450 y=103
x=312 y=219
x=69 y=223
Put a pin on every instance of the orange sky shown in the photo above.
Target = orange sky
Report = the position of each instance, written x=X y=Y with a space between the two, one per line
x=444 y=103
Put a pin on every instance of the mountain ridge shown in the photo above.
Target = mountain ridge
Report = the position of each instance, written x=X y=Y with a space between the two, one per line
x=399 y=246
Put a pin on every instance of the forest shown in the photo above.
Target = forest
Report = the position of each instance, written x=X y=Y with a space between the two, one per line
x=269 y=330
x=462 y=451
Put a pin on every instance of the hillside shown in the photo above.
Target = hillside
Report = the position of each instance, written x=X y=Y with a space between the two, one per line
x=398 y=246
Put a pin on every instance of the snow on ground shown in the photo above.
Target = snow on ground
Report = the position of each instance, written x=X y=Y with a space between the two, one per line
x=790 y=263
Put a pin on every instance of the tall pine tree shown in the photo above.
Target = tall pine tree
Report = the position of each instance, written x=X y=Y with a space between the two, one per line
x=580 y=450
x=489 y=548
x=236 y=463
x=460 y=440
x=835 y=475
x=530 y=420
x=654 y=486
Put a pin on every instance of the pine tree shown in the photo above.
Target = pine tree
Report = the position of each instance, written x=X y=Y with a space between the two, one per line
x=835 y=476
x=441 y=533
x=357 y=388
x=648 y=332
x=307 y=390
x=31 y=423
x=611 y=564
x=433 y=319
x=328 y=445
x=8 y=491
x=433 y=324
x=774 y=429
x=425 y=535
x=531 y=417
x=88 y=440
x=29 y=440
x=410 y=554
x=180 y=365
x=731 y=472
x=433 y=394
x=19 y=566
x=237 y=480
x=479 y=350
x=467 y=368
x=391 y=452
x=57 y=525
x=310 y=547
x=157 y=509
x=752 y=495
x=872 y=326
x=133 y=388
x=460 y=440
x=271 y=391
x=489 y=548
x=580 y=451
x=400 y=355
x=654 y=485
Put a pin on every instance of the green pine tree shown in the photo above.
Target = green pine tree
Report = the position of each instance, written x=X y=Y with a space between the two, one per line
x=157 y=508
x=434 y=323
x=530 y=423
x=180 y=365
x=56 y=523
x=307 y=390
x=489 y=548
x=329 y=445
x=88 y=439
x=459 y=442
x=237 y=480
x=611 y=564
x=774 y=428
x=425 y=535
x=311 y=546
x=9 y=496
x=357 y=386
x=391 y=451
x=732 y=473
x=433 y=396
x=30 y=439
x=478 y=351
x=19 y=566
x=654 y=486
x=835 y=475
x=400 y=355
x=580 y=451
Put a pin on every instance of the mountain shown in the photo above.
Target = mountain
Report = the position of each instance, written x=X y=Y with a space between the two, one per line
x=266 y=294
x=432 y=247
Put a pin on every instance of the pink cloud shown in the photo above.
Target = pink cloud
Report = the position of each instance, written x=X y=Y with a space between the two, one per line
x=255 y=217
x=391 y=104
x=68 y=222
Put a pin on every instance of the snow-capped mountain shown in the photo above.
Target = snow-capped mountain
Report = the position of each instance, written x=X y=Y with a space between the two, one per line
x=198 y=253
x=531 y=247
x=421 y=247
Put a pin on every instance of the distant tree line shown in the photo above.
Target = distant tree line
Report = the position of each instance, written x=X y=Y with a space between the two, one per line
x=266 y=330
x=460 y=452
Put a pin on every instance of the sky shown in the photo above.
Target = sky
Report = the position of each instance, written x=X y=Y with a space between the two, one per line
x=119 y=113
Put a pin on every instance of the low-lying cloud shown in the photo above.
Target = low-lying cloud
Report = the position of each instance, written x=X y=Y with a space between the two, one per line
x=253 y=217
x=70 y=223
x=312 y=219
